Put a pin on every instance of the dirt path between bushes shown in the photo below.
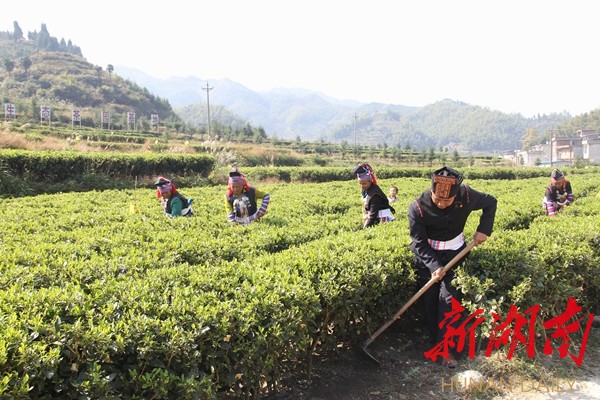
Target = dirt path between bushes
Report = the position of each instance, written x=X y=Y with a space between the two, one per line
x=405 y=373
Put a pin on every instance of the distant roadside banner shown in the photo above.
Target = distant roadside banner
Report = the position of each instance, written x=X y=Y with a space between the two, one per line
x=9 y=110
x=105 y=117
x=76 y=117
x=131 y=120
x=154 y=120
x=45 y=114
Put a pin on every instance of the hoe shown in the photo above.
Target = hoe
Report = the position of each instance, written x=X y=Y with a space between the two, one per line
x=412 y=300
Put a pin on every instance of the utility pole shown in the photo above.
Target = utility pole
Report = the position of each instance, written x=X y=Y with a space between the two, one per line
x=208 y=89
x=552 y=136
x=355 y=118
x=551 y=149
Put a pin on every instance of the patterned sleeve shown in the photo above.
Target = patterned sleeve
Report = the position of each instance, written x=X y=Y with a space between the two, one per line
x=264 y=203
x=569 y=191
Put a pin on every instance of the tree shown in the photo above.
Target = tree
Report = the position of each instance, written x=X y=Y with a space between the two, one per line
x=259 y=135
x=35 y=108
x=421 y=157
x=26 y=64
x=9 y=65
x=110 y=70
x=247 y=131
x=344 y=148
x=455 y=156
x=44 y=41
x=18 y=33
x=431 y=155
x=530 y=138
x=397 y=154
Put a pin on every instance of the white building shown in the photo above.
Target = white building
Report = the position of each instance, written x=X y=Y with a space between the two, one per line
x=562 y=151
x=590 y=146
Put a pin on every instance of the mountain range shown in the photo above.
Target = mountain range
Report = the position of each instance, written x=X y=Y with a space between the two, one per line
x=310 y=115
x=285 y=113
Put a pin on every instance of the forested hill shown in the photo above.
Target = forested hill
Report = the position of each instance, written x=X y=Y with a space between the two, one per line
x=42 y=70
x=449 y=123
x=309 y=115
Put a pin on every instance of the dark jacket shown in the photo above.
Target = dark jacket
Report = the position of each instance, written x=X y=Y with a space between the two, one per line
x=427 y=221
x=374 y=201
x=553 y=193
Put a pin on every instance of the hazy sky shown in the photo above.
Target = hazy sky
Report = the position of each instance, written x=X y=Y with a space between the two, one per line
x=525 y=56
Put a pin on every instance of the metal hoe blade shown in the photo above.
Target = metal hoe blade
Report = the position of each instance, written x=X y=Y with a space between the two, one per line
x=366 y=351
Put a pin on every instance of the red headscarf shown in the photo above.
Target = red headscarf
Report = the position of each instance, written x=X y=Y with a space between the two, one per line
x=162 y=185
x=364 y=172
x=236 y=177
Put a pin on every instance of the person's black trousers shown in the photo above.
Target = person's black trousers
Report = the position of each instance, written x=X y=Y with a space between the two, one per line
x=436 y=301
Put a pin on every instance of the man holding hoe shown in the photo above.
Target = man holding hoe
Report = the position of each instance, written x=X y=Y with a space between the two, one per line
x=437 y=219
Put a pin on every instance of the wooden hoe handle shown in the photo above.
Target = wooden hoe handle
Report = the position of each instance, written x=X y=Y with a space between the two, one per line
x=416 y=296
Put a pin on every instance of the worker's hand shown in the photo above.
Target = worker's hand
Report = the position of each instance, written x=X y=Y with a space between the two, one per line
x=255 y=217
x=438 y=274
x=479 y=238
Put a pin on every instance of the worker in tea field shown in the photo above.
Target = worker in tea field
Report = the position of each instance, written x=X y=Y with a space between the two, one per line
x=558 y=194
x=376 y=206
x=241 y=200
x=437 y=218
x=173 y=203
x=393 y=196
